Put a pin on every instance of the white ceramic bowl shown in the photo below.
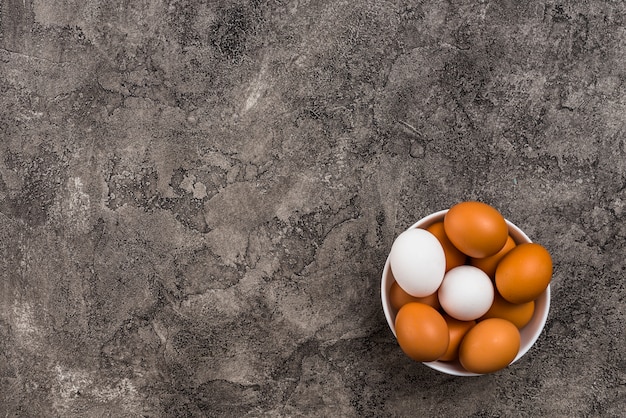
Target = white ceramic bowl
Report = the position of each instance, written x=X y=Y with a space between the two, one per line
x=529 y=333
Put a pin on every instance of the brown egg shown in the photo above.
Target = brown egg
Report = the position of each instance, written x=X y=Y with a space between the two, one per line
x=519 y=314
x=457 y=330
x=524 y=273
x=398 y=298
x=489 y=264
x=421 y=331
x=476 y=229
x=454 y=257
x=489 y=346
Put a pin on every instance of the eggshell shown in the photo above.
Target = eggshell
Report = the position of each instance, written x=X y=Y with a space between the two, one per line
x=466 y=293
x=489 y=264
x=476 y=229
x=524 y=273
x=454 y=257
x=421 y=331
x=489 y=346
x=398 y=298
x=418 y=262
x=457 y=330
x=519 y=314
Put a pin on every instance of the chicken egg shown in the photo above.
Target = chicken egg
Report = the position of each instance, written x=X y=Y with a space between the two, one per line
x=489 y=346
x=524 y=273
x=421 y=331
x=519 y=314
x=418 y=262
x=466 y=293
x=489 y=264
x=457 y=330
x=454 y=257
x=398 y=298
x=476 y=229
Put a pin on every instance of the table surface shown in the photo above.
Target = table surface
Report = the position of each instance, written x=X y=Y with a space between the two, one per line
x=197 y=200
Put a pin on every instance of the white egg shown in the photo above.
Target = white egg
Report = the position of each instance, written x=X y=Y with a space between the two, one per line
x=417 y=262
x=466 y=293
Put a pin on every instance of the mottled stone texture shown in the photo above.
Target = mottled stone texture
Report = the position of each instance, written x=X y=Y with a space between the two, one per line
x=197 y=199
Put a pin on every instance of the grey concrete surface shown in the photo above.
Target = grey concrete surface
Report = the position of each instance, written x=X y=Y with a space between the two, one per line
x=197 y=199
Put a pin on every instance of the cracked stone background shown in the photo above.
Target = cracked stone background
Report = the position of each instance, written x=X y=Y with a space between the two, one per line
x=197 y=199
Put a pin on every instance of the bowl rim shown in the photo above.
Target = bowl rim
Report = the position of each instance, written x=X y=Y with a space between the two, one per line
x=529 y=334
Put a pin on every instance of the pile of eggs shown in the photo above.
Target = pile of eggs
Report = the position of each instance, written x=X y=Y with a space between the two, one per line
x=463 y=289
